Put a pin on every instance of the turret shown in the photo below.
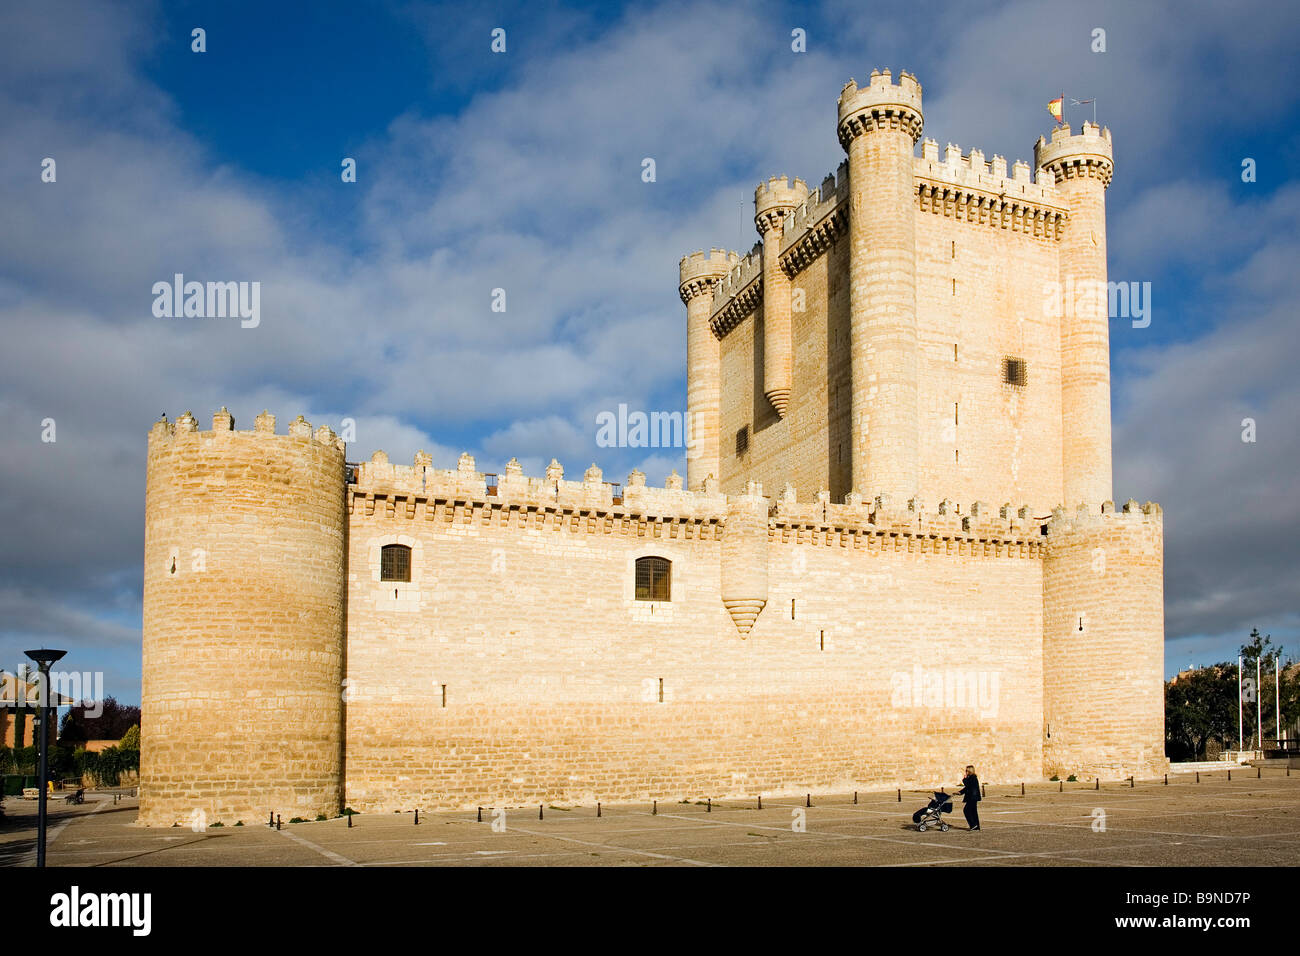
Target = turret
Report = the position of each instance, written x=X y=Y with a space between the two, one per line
x=1081 y=168
x=744 y=557
x=699 y=274
x=878 y=127
x=773 y=202
x=243 y=622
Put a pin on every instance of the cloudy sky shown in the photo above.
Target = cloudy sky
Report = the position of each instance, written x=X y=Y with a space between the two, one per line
x=522 y=170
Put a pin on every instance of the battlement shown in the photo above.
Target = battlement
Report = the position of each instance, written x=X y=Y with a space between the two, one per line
x=745 y=276
x=976 y=528
x=223 y=423
x=775 y=199
x=881 y=104
x=1085 y=517
x=699 y=272
x=816 y=223
x=1087 y=154
x=969 y=188
x=420 y=481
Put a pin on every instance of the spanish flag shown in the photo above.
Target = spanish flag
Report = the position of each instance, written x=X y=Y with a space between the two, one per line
x=1054 y=108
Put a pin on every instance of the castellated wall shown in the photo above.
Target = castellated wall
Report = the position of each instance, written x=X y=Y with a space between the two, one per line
x=522 y=610
x=1103 y=641
x=243 y=623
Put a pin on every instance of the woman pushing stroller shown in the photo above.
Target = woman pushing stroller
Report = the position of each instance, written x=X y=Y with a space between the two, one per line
x=970 y=797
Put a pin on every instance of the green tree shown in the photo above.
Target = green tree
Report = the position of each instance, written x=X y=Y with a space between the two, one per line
x=1200 y=706
x=131 y=739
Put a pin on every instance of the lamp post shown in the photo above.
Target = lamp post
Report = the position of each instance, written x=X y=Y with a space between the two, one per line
x=43 y=658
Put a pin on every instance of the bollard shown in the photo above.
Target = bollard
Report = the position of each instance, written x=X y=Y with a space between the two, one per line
x=900 y=794
x=855 y=797
x=271 y=821
x=1166 y=780
x=540 y=808
x=1062 y=790
x=277 y=821
x=349 y=821
x=1022 y=788
x=709 y=807
x=480 y=814
x=1131 y=784
x=597 y=808
x=984 y=790
x=1098 y=787
x=760 y=801
x=1229 y=774
x=417 y=816
x=810 y=799
x=1259 y=772
x=654 y=809
x=1198 y=776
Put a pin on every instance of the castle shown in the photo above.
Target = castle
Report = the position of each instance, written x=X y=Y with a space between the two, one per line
x=894 y=552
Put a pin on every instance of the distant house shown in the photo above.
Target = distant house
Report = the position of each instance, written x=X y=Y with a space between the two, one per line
x=19 y=702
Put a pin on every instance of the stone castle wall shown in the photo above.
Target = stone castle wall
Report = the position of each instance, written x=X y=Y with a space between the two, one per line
x=522 y=609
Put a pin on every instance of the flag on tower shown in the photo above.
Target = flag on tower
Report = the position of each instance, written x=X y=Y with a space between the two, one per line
x=1054 y=107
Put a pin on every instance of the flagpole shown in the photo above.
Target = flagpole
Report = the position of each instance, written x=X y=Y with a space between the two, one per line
x=1259 y=707
x=1241 y=742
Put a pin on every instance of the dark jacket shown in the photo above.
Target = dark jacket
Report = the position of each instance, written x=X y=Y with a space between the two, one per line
x=970 y=789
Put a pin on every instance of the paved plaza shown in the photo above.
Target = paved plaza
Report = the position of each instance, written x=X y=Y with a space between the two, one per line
x=1244 y=821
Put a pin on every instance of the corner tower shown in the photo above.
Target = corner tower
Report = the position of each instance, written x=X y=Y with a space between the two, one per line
x=1081 y=167
x=699 y=273
x=878 y=128
x=244 y=590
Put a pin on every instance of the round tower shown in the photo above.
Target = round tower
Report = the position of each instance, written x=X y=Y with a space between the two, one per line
x=744 y=557
x=773 y=202
x=878 y=127
x=1103 y=642
x=244 y=587
x=1081 y=167
x=699 y=274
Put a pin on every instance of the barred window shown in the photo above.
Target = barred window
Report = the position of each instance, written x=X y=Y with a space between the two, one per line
x=654 y=579
x=742 y=441
x=395 y=563
x=1014 y=371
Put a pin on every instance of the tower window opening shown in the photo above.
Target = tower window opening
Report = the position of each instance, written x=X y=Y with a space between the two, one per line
x=1015 y=371
x=954 y=286
x=954 y=248
x=395 y=563
x=954 y=351
x=654 y=579
x=742 y=441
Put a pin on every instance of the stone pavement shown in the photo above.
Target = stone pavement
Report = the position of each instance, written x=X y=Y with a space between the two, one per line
x=1243 y=822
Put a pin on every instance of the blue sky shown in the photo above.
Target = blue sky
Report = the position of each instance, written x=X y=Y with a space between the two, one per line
x=522 y=170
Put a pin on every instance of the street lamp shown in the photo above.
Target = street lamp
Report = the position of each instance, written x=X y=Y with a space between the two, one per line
x=43 y=658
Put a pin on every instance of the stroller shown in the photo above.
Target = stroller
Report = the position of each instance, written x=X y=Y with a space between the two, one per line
x=933 y=812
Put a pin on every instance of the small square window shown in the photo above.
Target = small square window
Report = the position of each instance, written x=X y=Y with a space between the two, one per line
x=1015 y=371
x=653 y=579
x=395 y=563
